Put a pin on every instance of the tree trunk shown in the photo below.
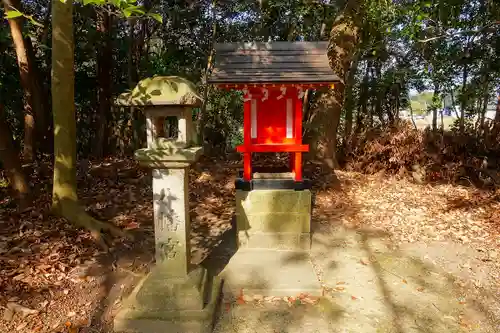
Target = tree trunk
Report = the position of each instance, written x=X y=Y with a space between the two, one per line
x=322 y=30
x=132 y=79
x=12 y=164
x=411 y=113
x=341 y=50
x=496 y=121
x=453 y=104
x=379 y=92
x=203 y=109
x=40 y=101
x=64 y=196
x=463 y=102
x=131 y=67
x=349 y=99
x=25 y=76
x=497 y=110
x=104 y=59
x=306 y=104
x=442 y=121
x=484 y=102
x=363 y=100
x=435 y=98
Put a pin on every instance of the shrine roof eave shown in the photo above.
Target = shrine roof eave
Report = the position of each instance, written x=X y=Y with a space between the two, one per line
x=249 y=84
x=273 y=79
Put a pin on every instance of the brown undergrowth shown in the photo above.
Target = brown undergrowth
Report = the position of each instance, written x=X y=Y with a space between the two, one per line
x=426 y=156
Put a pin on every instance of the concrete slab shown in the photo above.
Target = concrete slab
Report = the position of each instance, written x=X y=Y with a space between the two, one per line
x=373 y=288
x=272 y=318
x=270 y=273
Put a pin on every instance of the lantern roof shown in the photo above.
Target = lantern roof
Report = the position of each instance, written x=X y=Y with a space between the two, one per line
x=161 y=90
x=272 y=62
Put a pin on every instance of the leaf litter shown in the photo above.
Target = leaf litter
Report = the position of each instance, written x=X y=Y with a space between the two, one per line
x=52 y=269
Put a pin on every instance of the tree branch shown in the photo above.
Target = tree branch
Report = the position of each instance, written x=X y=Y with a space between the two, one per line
x=447 y=35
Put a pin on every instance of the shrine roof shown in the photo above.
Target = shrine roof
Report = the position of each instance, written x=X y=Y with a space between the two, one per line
x=273 y=62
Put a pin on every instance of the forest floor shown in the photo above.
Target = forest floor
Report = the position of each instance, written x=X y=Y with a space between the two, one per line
x=393 y=256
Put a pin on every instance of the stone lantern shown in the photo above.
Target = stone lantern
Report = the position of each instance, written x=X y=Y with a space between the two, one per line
x=175 y=296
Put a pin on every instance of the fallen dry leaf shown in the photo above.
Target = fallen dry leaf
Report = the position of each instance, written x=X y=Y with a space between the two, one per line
x=464 y=323
x=442 y=212
x=15 y=308
x=21 y=326
x=302 y=295
x=132 y=226
x=309 y=300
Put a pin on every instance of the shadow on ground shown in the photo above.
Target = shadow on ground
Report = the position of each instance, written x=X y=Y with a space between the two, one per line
x=371 y=283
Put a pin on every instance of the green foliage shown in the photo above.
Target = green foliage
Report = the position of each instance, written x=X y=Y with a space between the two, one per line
x=224 y=119
x=13 y=14
x=404 y=45
x=128 y=8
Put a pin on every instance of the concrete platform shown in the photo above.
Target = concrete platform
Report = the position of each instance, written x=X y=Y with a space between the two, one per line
x=270 y=272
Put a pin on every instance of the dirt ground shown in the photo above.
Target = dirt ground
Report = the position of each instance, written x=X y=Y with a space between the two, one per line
x=392 y=256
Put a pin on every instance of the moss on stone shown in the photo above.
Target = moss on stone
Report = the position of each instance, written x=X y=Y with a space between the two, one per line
x=161 y=90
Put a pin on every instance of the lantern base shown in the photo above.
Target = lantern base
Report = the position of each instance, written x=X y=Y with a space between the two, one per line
x=272 y=184
x=161 y=304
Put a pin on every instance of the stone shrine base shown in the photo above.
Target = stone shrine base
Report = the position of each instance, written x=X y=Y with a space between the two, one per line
x=273 y=231
x=161 y=303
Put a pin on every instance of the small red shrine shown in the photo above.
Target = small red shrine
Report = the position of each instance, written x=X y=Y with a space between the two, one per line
x=273 y=78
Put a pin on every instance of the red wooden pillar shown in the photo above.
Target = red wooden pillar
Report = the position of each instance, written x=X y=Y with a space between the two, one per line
x=298 y=139
x=247 y=140
x=298 y=166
